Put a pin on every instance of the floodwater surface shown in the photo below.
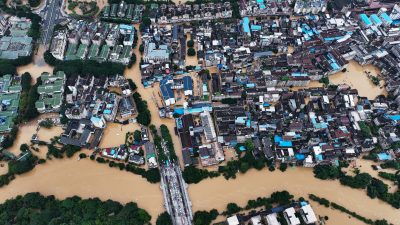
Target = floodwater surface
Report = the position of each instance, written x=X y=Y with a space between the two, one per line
x=87 y=179
x=218 y=192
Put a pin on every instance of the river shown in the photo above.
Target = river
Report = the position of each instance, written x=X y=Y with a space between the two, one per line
x=218 y=192
x=87 y=179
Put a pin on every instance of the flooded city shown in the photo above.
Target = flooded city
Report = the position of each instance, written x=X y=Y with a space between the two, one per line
x=67 y=177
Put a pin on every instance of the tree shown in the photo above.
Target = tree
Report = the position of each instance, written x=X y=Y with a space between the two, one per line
x=204 y=217
x=325 y=81
x=190 y=43
x=141 y=48
x=50 y=59
x=38 y=209
x=26 y=80
x=7 y=68
x=232 y=208
x=191 y=52
x=360 y=181
x=34 y=3
x=283 y=167
x=164 y=219
x=137 y=136
x=132 y=61
x=325 y=172
x=24 y=148
x=132 y=85
x=47 y=123
x=381 y=222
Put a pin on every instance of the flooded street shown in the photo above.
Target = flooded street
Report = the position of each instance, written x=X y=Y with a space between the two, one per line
x=85 y=178
x=38 y=66
x=26 y=131
x=356 y=78
x=218 y=192
x=149 y=95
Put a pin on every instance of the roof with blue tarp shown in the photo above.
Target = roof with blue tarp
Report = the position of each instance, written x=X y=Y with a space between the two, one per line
x=179 y=111
x=255 y=27
x=246 y=22
x=300 y=156
x=281 y=143
x=393 y=117
x=384 y=156
x=386 y=18
x=364 y=18
x=376 y=19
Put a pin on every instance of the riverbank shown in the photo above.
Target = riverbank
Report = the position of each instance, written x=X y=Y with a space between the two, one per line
x=218 y=192
x=87 y=179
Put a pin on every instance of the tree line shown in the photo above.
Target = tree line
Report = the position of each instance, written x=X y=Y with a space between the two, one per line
x=325 y=202
x=375 y=188
x=34 y=208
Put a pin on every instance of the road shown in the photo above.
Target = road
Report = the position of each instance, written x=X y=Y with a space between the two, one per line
x=175 y=193
x=52 y=16
x=176 y=196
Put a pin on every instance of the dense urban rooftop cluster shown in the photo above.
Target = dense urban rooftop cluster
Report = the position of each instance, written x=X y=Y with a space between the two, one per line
x=123 y=11
x=98 y=41
x=14 y=37
x=250 y=97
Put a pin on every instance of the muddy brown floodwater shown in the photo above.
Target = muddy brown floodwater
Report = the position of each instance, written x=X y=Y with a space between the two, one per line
x=114 y=134
x=356 y=78
x=151 y=96
x=218 y=192
x=38 y=66
x=87 y=179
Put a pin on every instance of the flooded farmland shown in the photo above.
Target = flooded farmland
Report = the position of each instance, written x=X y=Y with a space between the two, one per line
x=218 y=192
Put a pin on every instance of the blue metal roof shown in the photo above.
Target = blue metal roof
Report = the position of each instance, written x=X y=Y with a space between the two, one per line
x=376 y=19
x=246 y=22
x=255 y=27
x=364 y=18
x=166 y=91
x=187 y=83
x=386 y=18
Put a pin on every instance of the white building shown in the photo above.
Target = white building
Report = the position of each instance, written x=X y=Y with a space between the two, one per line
x=290 y=216
x=308 y=214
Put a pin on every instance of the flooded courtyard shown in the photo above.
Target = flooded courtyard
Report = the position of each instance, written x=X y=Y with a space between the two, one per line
x=356 y=78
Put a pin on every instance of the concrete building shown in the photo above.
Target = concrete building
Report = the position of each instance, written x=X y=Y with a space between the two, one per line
x=51 y=92
x=308 y=215
x=291 y=217
x=58 y=45
x=152 y=53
